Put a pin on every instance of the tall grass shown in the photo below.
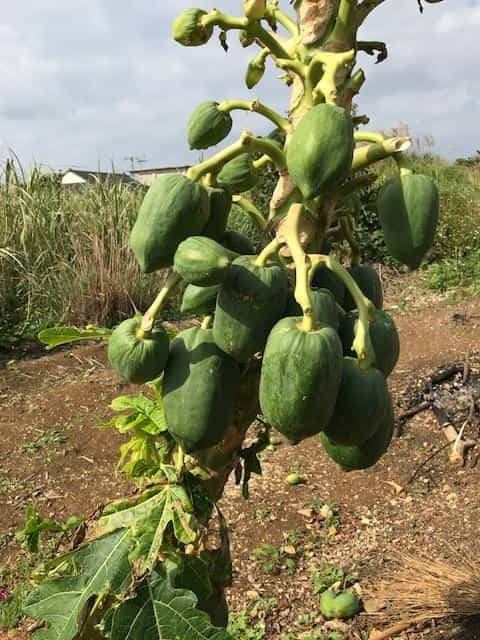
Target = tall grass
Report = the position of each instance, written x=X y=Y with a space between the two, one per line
x=64 y=254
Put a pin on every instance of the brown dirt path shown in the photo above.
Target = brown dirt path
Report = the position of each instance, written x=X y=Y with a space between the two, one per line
x=51 y=454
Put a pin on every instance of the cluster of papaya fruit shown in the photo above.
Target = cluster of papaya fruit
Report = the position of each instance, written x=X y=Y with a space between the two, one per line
x=312 y=382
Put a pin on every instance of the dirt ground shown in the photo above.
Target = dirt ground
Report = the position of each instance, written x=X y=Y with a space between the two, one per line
x=52 y=455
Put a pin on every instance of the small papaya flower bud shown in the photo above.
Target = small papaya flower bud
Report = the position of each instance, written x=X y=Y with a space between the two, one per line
x=255 y=9
x=189 y=30
x=255 y=72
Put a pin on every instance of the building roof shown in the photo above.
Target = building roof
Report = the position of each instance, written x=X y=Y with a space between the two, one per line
x=90 y=176
x=174 y=169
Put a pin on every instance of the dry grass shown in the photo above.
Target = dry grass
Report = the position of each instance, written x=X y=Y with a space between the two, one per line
x=64 y=254
x=421 y=589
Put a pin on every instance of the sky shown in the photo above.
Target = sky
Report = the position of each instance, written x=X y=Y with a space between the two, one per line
x=86 y=84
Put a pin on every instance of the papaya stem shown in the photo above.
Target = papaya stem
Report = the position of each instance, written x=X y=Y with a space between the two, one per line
x=345 y=29
x=331 y=63
x=268 y=40
x=268 y=148
x=256 y=107
x=270 y=250
x=348 y=231
x=283 y=18
x=149 y=318
x=368 y=154
x=262 y=162
x=216 y=162
x=369 y=136
x=291 y=237
x=362 y=344
x=403 y=164
x=246 y=142
x=180 y=461
x=207 y=322
x=350 y=89
x=252 y=210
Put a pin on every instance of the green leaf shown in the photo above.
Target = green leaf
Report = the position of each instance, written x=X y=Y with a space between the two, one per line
x=147 y=414
x=57 y=336
x=65 y=603
x=35 y=525
x=161 y=612
x=149 y=519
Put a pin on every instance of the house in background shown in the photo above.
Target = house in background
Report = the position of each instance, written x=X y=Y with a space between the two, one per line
x=75 y=177
x=147 y=176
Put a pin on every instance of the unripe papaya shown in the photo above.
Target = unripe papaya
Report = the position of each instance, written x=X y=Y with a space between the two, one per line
x=320 y=151
x=208 y=125
x=220 y=201
x=361 y=402
x=250 y=301
x=325 y=278
x=138 y=359
x=199 y=300
x=189 y=30
x=199 y=387
x=324 y=307
x=369 y=283
x=408 y=207
x=236 y=241
x=357 y=457
x=383 y=335
x=239 y=174
x=174 y=208
x=300 y=379
x=202 y=261
x=343 y=605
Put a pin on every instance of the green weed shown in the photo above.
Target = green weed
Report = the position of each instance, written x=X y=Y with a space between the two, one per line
x=272 y=559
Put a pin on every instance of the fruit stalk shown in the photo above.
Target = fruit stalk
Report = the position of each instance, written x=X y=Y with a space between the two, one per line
x=149 y=318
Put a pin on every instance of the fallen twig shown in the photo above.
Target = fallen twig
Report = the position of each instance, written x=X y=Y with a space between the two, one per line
x=409 y=413
x=394 y=630
x=427 y=460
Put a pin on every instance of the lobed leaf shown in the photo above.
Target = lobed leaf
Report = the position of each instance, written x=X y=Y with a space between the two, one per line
x=65 y=603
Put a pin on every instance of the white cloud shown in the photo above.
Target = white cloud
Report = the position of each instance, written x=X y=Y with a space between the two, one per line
x=86 y=82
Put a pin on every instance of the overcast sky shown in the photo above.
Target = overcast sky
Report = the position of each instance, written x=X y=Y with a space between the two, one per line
x=85 y=82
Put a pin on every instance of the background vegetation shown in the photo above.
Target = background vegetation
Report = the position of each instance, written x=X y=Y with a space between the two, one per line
x=64 y=254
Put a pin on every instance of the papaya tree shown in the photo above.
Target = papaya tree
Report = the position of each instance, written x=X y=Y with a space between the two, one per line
x=290 y=335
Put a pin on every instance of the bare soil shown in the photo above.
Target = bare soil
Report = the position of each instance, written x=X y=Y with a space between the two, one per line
x=52 y=455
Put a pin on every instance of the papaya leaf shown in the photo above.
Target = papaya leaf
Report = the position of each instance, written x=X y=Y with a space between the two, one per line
x=35 y=525
x=57 y=336
x=95 y=571
x=149 y=520
x=146 y=414
x=161 y=612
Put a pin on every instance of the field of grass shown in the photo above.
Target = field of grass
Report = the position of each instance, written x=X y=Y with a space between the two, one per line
x=64 y=254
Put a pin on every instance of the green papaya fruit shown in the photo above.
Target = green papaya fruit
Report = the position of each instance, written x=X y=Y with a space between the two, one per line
x=199 y=300
x=239 y=174
x=361 y=402
x=408 y=207
x=343 y=605
x=300 y=378
x=220 y=201
x=358 y=457
x=383 y=335
x=320 y=151
x=199 y=386
x=189 y=30
x=138 y=359
x=202 y=261
x=245 y=38
x=208 y=125
x=250 y=301
x=236 y=241
x=324 y=278
x=370 y=284
x=276 y=136
x=324 y=307
x=174 y=208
